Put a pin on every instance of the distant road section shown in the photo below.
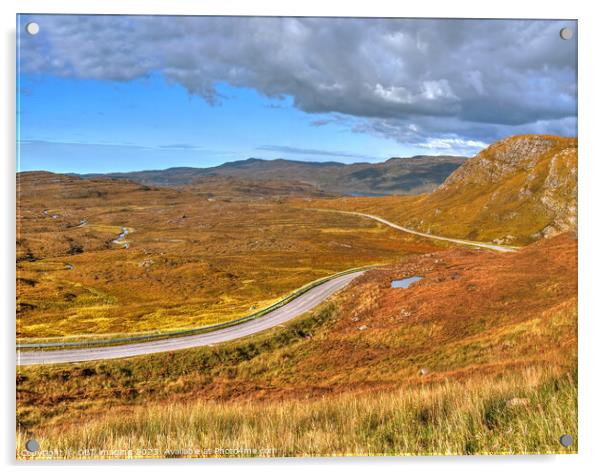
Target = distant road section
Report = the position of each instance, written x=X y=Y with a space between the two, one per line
x=498 y=248
x=294 y=308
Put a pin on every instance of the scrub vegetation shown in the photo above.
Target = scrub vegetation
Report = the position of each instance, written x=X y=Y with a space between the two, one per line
x=519 y=413
x=195 y=257
x=478 y=357
x=489 y=338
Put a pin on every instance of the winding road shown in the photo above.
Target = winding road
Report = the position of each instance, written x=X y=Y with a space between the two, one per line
x=291 y=310
x=471 y=243
x=294 y=308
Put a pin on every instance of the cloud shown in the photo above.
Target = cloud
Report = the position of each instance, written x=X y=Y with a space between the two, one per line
x=38 y=142
x=454 y=136
x=320 y=122
x=311 y=151
x=481 y=76
x=452 y=144
x=179 y=146
x=59 y=156
x=123 y=145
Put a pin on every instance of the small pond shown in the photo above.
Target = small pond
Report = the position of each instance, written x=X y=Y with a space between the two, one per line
x=405 y=282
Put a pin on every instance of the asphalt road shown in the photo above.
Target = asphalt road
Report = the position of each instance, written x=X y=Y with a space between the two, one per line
x=296 y=307
x=498 y=248
x=279 y=316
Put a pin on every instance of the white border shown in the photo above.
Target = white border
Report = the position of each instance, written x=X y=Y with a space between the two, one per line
x=590 y=180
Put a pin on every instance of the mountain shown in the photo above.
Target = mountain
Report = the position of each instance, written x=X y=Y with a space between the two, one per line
x=516 y=191
x=524 y=185
x=414 y=175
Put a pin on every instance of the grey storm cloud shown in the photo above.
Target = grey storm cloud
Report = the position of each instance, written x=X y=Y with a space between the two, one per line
x=405 y=79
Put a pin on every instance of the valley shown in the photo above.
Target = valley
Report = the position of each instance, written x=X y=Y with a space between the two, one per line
x=191 y=258
x=486 y=331
x=292 y=236
x=413 y=175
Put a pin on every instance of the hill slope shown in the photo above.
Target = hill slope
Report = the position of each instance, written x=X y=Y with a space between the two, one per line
x=531 y=180
x=395 y=176
x=515 y=191
x=492 y=327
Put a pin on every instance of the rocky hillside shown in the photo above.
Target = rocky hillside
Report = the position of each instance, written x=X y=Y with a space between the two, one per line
x=514 y=192
x=527 y=184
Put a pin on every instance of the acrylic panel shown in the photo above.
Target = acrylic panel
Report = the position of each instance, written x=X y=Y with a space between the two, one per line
x=282 y=237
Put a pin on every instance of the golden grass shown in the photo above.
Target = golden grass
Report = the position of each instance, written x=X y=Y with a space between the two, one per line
x=522 y=413
x=476 y=313
x=191 y=262
x=495 y=333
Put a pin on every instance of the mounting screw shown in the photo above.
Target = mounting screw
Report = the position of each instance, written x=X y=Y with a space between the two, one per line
x=32 y=445
x=32 y=28
x=566 y=440
x=566 y=33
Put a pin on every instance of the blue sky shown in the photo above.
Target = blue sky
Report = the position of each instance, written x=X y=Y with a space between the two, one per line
x=103 y=93
x=88 y=126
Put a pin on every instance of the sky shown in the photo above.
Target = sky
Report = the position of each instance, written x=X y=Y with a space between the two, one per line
x=101 y=93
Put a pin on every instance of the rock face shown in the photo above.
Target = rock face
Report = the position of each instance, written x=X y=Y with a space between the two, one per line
x=502 y=160
x=515 y=191
x=560 y=191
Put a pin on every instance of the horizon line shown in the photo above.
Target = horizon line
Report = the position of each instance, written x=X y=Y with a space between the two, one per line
x=318 y=163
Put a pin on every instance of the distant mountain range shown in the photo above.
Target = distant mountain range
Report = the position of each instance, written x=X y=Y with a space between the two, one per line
x=419 y=174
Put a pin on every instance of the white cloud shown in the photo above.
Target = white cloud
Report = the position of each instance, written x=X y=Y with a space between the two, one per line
x=397 y=95
x=452 y=144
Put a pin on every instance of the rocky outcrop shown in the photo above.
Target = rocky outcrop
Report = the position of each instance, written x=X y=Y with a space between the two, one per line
x=501 y=160
x=559 y=195
x=517 y=190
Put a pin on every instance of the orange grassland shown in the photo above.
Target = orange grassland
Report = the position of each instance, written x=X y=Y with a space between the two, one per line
x=484 y=345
